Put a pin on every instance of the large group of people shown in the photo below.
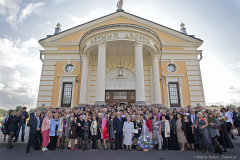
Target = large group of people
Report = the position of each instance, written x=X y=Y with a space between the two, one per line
x=117 y=127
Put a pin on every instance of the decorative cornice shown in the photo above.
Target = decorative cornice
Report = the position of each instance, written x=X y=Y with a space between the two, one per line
x=173 y=75
x=106 y=18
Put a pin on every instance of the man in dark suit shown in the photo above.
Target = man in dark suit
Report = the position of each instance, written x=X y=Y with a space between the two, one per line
x=192 y=117
x=117 y=128
x=34 y=133
x=189 y=108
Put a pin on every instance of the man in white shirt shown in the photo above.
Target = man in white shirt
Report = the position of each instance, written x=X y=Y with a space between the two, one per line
x=193 y=117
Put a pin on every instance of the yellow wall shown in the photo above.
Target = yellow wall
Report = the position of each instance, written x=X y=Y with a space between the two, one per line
x=77 y=36
x=185 y=90
x=58 y=71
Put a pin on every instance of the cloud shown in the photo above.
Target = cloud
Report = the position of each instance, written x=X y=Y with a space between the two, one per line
x=235 y=65
x=231 y=87
x=30 y=8
x=20 y=69
x=221 y=86
x=14 y=14
x=90 y=16
x=39 y=25
x=59 y=1
x=16 y=52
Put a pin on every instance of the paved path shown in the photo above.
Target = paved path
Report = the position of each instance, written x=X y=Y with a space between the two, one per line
x=18 y=153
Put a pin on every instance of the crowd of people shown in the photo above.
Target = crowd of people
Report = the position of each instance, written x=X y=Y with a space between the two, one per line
x=121 y=126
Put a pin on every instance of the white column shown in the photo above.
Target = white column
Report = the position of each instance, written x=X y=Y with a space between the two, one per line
x=100 y=91
x=84 y=81
x=139 y=74
x=156 y=82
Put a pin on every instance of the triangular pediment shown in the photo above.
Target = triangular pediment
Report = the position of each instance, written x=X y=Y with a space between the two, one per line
x=166 y=34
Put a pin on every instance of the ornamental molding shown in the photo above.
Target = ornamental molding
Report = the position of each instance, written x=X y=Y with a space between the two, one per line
x=120 y=85
x=172 y=79
x=126 y=74
x=66 y=79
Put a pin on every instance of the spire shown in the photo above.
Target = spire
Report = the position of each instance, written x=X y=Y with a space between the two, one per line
x=183 y=29
x=58 y=28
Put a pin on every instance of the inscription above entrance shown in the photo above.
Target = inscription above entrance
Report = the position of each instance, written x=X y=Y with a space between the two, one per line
x=128 y=36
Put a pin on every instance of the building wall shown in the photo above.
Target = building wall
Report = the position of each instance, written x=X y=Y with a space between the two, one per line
x=187 y=63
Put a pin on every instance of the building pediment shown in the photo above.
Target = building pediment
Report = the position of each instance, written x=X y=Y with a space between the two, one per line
x=73 y=35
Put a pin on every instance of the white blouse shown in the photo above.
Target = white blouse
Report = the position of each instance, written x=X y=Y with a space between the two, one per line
x=229 y=118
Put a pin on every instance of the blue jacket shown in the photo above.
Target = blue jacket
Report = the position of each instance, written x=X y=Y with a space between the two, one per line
x=52 y=128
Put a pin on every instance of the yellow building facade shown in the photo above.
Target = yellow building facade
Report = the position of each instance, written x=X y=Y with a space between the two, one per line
x=120 y=58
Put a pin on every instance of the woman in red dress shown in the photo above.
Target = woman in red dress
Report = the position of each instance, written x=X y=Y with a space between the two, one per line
x=104 y=129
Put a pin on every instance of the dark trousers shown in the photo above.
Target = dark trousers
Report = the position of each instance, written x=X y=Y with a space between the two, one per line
x=94 y=144
x=118 y=140
x=164 y=147
x=22 y=124
x=53 y=142
x=10 y=138
x=33 y=137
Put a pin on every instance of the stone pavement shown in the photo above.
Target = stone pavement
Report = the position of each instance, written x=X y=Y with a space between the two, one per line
x=18 y=153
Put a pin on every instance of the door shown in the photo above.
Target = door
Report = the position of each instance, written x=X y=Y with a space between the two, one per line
x=67 y=95
x=173 y=95
x=120 y=97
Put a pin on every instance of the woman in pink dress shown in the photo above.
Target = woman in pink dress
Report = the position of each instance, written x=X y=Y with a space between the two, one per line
x=45 y=130
x=104 y=134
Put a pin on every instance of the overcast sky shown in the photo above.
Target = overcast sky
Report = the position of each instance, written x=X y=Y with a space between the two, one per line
x=24 y=22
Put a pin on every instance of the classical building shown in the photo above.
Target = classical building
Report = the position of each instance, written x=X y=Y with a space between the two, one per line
x=120 y=58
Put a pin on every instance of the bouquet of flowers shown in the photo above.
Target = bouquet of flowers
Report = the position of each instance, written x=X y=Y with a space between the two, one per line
x=222 y=120
x=144 y=141
x=4 y=130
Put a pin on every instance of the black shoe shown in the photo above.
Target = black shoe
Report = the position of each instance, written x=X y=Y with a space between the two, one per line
x=23 y=141
x=112 y=148
x=220 y=151
x=130 y=150
x=116 y=149
x=69 y=148
x=52 y=149
x=106 y=149
x=14 y=141
x=225 y=150
x=83 y=148
x=216 y=150
x=27 y=151
x=120 y=148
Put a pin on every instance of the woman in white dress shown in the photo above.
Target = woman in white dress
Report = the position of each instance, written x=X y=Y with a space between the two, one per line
x=128 y=129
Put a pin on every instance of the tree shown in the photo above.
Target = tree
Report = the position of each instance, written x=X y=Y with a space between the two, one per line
x=31 y=110
x=230 y=106
x=3 y=112
x=18 y=108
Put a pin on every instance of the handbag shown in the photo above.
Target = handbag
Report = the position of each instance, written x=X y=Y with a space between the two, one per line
x=215 y=127
x=135 y=131
x=235 y=131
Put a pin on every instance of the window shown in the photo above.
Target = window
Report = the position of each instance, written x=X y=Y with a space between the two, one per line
x=120 y=95
x=171 y=68
x=132 y=95
x=67 y=94
x=69 y=68
x=174 y=95
x=107 y=95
